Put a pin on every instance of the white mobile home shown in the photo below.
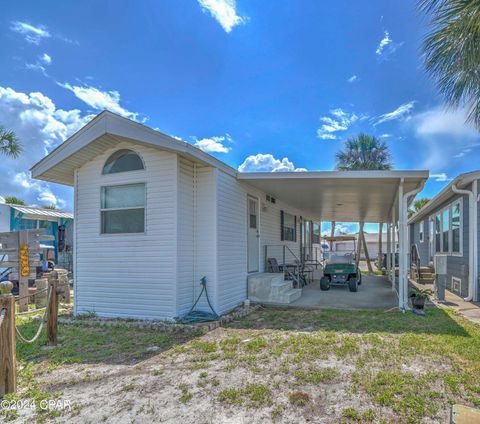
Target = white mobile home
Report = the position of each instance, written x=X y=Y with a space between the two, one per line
x=153 y=215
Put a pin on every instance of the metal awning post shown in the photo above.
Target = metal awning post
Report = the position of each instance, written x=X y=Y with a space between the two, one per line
x=389 y=251
x=402 y=254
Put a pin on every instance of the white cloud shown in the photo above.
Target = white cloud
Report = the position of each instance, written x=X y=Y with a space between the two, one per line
x=385 y=41
x=224 y=11
x=353 y=78
x=40 y=126
x=387 y=46
x=443 y=135
x=100 y=100
x=401 y=112
x=339 y=121
x=32 y=34
x=36 y=67
x=46 y=58
x=213 y=144
x=440 y=177
x=267 y=163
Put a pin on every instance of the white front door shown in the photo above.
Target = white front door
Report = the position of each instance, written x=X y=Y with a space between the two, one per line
x=253 y=235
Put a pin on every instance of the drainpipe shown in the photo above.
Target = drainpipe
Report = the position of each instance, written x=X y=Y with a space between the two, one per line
x=404 y=250
x=472 y=240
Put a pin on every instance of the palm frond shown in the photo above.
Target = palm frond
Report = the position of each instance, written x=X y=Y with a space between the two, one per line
x=364 y=152
x=452 y=52
x=9 y=143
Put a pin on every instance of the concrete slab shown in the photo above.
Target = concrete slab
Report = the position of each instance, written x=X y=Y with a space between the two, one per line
x=375 y=292
x=470 y=310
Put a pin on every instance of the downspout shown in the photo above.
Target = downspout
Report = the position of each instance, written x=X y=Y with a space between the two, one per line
x=404 y=234
x=472 y=242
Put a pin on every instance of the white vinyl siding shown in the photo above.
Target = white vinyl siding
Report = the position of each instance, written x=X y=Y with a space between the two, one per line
x=185 y=246
x=205 y=234
x=231 y=242
x=127 y=275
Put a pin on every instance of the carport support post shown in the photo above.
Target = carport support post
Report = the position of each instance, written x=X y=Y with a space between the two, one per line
x=402 y=254
x=389 y=251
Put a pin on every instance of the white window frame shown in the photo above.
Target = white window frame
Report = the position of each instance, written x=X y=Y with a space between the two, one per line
x=421 y=231
x=460 y=203
x=116 y=209
x=440 y=212
x=449 y=235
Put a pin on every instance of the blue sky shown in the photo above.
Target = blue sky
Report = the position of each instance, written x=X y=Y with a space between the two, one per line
x=262 y=85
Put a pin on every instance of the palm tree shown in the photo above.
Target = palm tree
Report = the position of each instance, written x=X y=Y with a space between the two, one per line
x=452 y=52
x=364 y=152
x=12 y=200
x=417 y=205
x=9 y=144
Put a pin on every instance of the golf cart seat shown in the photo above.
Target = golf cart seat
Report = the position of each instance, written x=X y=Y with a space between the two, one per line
x=337 y=258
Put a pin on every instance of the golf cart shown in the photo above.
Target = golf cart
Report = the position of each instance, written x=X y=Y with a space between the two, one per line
x=339 y=265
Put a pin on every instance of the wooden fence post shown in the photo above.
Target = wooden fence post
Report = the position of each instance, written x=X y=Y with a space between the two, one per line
x=52 y=317
x=8 y=377
x=23 y=278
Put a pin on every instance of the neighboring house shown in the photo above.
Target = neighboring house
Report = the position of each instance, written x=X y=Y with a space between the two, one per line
x=56 y=223
x=154 y=214
x=448 y=225
x=372 y=245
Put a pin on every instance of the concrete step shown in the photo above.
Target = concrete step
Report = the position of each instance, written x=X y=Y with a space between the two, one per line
x=426 y=269
x=280 y=287
x=271 y=288
x=426 y=275
x=290 y=296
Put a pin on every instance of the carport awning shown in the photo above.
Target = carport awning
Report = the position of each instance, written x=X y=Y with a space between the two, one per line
x=343 y=196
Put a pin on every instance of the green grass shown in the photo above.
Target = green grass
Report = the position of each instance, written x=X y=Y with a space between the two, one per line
x=400 y=366
x=252 y=395
x=385 y=349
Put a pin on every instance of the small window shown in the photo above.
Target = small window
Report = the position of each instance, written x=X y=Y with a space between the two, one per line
x=123 y=160
x=445 y=230
x=252 y=213
x=123 y=209
x=288 y=226
x=456 y=228
x=421 y=232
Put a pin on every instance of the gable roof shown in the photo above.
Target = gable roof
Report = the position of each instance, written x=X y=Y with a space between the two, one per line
x=461 y=181
x=368 y=196
x=103 y=132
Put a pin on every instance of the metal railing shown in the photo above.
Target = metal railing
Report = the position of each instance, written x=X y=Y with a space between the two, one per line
x=312 y=256
x=414 y=263
x=300 y=272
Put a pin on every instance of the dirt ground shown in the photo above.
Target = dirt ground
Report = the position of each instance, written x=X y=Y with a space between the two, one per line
x=275 y=366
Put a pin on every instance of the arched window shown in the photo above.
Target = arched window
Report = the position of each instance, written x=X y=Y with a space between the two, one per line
x=122 y=161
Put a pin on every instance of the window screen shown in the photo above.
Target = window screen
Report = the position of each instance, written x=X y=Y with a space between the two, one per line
x=123 y=209
x=123 y=160
x=456 y=228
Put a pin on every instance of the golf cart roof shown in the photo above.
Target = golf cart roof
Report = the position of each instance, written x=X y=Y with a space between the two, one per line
x=340 y=238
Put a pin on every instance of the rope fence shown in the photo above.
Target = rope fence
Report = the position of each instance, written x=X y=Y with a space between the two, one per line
x=18 y=298
x=57 y=286
x=42 y=322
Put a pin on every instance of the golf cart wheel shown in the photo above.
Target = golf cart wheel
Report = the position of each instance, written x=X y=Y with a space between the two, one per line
x=353 y=284
x=359 y=277
x=324 y=283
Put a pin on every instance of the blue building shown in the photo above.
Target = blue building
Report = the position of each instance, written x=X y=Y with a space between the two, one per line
x=448 y=225
x=56 y=223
